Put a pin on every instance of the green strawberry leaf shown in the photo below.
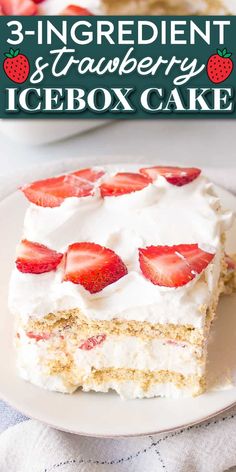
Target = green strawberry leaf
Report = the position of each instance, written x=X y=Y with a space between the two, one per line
x=229 y=54
x=7 y=54
x=219 y=52
x=12 y=52
x=224 y=51
x=16 y=52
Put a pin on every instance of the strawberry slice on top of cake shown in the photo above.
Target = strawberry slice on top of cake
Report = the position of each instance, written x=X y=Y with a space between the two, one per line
x=117 y=280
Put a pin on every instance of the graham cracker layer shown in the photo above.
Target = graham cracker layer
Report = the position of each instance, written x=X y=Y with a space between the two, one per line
x=75 y=325
x=159 y=7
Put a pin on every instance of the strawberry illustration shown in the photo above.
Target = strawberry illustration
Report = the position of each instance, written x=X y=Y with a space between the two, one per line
x=220 y=66
x=16 y=66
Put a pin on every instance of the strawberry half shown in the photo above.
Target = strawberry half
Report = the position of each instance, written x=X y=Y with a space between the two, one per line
x=93 y=266
x=75 y=10
x=219 y=66
x=93 y=342
x=34 y=258
x=19 y=7
x=122 y=183
x=173 y=266
x=89 y=175
x=178 y=176
x=52 y=192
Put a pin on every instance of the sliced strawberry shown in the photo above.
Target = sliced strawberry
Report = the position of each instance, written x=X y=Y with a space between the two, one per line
x=34 y=258
x=93 y=266
x=231 y=264
x=122 y=183
x=173 y=266
x=38 y=337
x=89 y=175
x=19 y=7
x=93 y=342
x=174 y=175
x=75 y=10
x=52 y=192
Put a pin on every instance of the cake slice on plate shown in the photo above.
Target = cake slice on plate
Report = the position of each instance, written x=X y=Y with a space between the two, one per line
x=117 y=280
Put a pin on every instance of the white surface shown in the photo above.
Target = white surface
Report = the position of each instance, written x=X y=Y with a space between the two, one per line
x=203 y=143
x=85 y=413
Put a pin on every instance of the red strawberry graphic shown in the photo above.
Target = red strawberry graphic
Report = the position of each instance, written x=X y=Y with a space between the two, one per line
x=220 y=66
x=16 y=66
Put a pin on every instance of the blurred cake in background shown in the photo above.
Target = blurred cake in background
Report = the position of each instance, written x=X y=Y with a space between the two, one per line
x=122 y=7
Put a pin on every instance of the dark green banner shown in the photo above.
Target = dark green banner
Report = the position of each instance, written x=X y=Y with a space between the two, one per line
x=118 y=67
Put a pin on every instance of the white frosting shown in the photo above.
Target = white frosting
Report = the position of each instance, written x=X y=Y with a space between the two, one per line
x=160 y=214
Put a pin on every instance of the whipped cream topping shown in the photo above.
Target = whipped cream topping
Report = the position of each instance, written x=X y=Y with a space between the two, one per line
x=160 y=214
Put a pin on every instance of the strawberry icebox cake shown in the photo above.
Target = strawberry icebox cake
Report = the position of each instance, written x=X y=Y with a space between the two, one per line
x=121 y=7
x=117 y=280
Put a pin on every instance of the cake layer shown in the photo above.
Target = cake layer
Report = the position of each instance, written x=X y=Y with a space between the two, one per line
x=98 y=349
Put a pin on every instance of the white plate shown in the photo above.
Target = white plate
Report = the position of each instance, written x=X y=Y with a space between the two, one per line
x=105 y=415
